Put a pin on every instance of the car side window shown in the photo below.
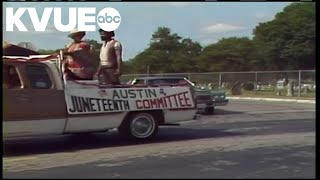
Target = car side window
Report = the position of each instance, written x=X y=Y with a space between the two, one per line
x=182 y=81
x=157 y=81
x=11 y=79
x=175 y=81
x=39 y=77
x=165 y=81
x=138 y=81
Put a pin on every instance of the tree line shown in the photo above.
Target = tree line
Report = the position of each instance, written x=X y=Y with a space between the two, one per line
x=285 y=43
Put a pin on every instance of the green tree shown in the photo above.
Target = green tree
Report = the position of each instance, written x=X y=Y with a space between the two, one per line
x=288 y=41
x=228 y=54
x=47 y=51
x=167 y=53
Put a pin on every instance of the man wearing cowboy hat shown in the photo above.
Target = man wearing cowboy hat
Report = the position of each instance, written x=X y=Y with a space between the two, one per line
x=78 y=65
x=110 y=59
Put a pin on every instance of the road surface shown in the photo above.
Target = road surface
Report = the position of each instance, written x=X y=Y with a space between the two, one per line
x=244 y=139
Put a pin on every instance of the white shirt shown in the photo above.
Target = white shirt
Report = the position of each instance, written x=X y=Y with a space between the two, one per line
x=105 y=57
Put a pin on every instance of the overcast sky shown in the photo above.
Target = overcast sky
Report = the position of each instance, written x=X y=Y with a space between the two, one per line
x=205 y=22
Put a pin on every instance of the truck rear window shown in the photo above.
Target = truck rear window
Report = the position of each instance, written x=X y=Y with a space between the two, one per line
x=39 y=77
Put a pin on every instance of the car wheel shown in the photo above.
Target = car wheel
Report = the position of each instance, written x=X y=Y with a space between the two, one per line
x=139 y=126
x=209 y=110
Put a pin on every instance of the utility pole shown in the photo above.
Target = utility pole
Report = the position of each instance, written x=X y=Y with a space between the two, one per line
x=148 y=70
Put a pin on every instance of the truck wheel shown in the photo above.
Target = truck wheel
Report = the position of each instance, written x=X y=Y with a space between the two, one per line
x=139 y=126
x=210 y=110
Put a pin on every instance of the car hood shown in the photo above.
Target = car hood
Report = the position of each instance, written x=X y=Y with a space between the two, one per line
x=218 y=92
x=203 y=92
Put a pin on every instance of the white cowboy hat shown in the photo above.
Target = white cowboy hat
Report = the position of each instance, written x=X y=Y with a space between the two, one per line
x=76 y=31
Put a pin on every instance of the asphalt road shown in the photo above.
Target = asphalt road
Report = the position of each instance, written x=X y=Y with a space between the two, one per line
x=244 y=139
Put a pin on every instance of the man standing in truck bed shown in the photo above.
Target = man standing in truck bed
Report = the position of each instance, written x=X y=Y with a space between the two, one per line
x=78 y=65
x=110 y=59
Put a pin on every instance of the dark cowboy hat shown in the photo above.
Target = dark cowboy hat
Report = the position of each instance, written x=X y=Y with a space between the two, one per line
x=112 y=32
x=76 y=32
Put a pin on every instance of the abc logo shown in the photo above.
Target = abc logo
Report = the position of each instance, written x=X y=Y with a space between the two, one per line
x=109 y=19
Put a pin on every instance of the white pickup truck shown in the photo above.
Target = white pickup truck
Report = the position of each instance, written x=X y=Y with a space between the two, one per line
x=39 y=102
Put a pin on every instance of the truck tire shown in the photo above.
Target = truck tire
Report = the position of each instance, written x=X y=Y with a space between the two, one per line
x=139 y=126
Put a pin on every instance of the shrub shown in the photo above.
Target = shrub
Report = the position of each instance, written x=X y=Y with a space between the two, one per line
x=249 y=86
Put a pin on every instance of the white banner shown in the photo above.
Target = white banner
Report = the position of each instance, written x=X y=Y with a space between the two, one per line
x=85 y=101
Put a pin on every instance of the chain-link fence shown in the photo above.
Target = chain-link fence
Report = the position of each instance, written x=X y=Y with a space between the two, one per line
x=302 y=82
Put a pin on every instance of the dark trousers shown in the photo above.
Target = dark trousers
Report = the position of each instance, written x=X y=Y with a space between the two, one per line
x=106 y=75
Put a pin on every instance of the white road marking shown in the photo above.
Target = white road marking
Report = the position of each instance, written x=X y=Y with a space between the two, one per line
x=248 y=129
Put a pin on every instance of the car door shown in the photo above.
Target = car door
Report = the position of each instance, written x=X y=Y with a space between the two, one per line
x=36 y=107
x=14 y=99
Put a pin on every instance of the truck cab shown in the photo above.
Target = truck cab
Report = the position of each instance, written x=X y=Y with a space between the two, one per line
x=33 y=99
x=39 y=102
